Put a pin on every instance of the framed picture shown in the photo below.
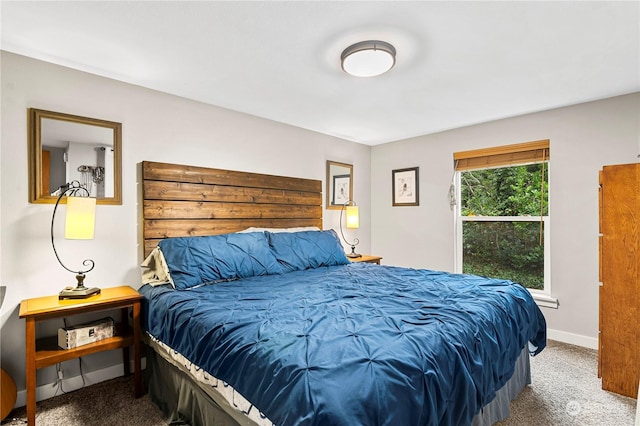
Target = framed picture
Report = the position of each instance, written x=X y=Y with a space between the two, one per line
x=341 y=184
x=405 y=187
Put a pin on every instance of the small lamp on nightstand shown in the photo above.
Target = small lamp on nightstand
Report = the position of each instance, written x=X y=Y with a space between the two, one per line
x=79 y=225
x=353 y=222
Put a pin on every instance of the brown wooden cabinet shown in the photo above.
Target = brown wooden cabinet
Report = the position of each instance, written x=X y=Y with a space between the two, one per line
x=619 y=316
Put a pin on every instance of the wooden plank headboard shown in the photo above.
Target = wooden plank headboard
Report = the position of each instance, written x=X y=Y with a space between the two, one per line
x=183 y=201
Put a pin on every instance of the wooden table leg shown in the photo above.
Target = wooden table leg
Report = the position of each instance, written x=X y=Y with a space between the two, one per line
x=137 y=342
x=124 y=318
x=31 y=370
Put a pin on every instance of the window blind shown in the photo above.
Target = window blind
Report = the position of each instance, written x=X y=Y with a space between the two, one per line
x=507 y=155
x=500 y=156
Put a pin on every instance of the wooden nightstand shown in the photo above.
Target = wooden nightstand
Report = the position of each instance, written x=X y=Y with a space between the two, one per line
x=366 y=258
x=45 y=352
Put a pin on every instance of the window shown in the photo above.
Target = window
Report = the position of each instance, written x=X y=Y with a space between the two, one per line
x=502 y=214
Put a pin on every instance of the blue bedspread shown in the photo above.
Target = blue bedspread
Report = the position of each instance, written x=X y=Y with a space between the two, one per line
x=357 y=344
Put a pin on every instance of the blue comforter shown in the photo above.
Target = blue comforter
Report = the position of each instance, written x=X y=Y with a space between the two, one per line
x=356 y=344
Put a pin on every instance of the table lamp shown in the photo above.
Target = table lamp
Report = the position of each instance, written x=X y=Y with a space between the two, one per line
x=79 y=225
x=352 y=222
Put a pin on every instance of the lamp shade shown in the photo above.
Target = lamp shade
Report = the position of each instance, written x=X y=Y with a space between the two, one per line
x=80 y=218
x=353 y=217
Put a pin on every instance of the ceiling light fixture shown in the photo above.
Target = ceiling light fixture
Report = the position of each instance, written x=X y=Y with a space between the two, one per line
x=368 y=58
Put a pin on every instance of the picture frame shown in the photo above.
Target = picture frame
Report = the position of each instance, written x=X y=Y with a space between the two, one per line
x=405 y=191
x=341 y=185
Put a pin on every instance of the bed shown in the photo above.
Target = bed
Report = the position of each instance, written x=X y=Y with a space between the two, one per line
x=254 y=315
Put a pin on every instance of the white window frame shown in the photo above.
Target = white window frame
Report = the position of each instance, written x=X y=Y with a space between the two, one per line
x=542 y=297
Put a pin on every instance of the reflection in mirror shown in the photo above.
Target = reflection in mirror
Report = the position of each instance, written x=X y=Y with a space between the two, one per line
x=65 y=148
x=339 y=184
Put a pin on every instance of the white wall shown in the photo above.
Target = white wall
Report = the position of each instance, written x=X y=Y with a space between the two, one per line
x=156 y=127
x=583 y=138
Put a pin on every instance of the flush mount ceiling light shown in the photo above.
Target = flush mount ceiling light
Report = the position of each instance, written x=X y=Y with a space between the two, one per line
x=368 y=58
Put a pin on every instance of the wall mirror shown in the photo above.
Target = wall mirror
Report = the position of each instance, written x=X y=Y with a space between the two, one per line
x=65 y=147
x=339 y=184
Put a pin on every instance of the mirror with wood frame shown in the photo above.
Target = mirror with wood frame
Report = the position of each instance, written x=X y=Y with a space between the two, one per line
x=65 y=148
x=339 y=184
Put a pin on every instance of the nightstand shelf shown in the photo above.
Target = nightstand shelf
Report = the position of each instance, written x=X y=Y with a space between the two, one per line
x=366 y=258
x=49 y=353
x=45 y=352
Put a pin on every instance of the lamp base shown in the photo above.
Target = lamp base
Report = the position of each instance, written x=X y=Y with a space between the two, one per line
x=353 y=253
x=78 y=292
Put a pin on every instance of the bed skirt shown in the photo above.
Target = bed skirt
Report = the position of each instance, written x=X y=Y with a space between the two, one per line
x=185 y=400
x=499 y=408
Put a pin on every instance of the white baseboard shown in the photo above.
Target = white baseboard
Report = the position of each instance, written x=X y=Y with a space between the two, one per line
x=70 y=384
x=573 y=339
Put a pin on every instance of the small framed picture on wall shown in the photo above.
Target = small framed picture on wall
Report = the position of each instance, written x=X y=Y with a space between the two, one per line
x=341 y=184
x=405 y=187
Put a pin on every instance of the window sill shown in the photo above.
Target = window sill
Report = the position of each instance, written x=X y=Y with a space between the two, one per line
x=545 y=300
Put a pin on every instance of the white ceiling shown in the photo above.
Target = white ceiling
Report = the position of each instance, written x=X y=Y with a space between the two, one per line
x=458 y=63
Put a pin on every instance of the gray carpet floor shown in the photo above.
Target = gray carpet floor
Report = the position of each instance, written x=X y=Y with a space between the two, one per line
x=565 y=390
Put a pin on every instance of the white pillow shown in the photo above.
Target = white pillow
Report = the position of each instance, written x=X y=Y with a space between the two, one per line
x=276 y=230
x=155 y=270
